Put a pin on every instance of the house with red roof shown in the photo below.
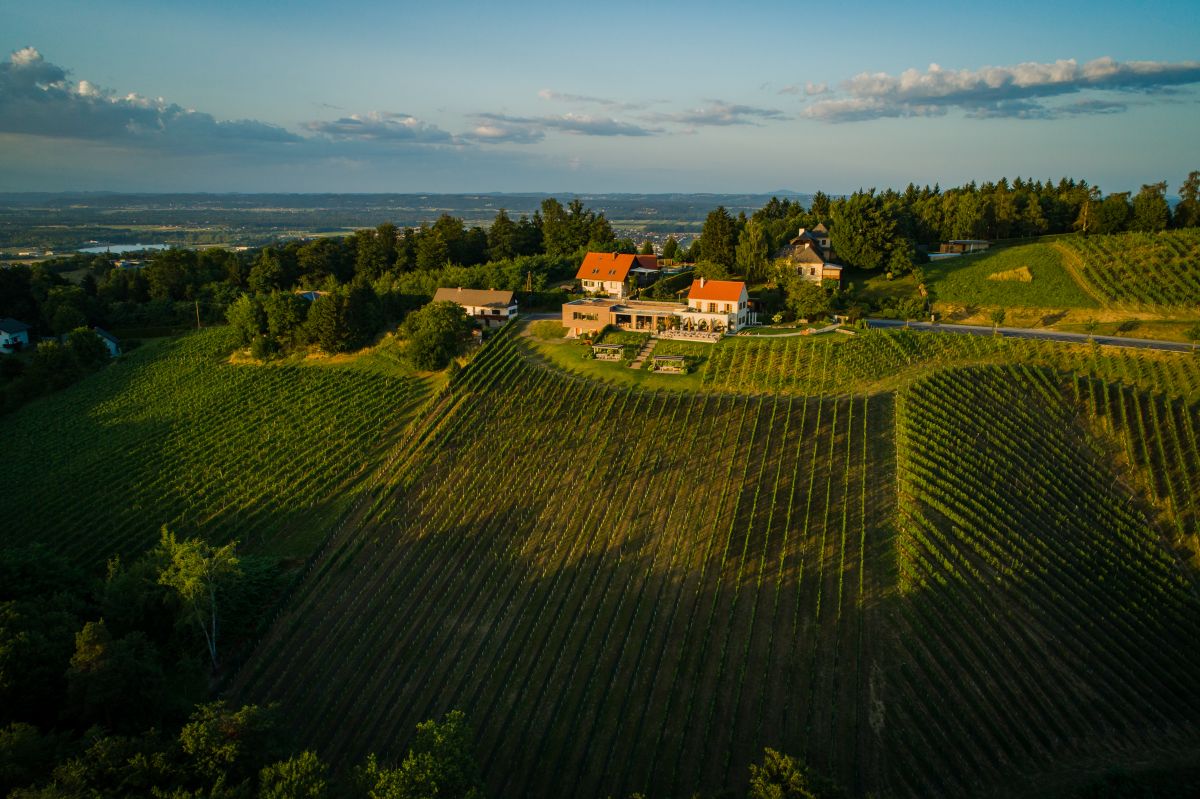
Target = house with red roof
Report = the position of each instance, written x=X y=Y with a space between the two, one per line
x=714 y=307
x=717 y=305
x=608 y=273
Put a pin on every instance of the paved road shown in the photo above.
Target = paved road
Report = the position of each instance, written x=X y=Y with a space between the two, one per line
x=1049 y=335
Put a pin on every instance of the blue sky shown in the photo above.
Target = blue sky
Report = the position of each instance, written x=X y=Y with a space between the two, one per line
x=568 y=97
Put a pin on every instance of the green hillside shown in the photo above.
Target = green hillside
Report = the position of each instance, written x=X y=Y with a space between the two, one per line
x=1142 y=269
x=1032 y=275
x=870 y=362
x=947 y=585
x=173 y=434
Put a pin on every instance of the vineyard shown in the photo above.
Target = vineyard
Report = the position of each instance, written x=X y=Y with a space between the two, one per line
x=930 y=589
x=171 y=434
x=930 y=564
x=882 y=361
x=644 y=600
x=1037 y=602
x=1142 y=269
x=1156 y=438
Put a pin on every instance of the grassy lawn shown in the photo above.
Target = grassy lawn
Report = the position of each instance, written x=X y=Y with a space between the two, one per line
x=875 y=288
x=1030 y=276
x=568 y=354
x=774 y=331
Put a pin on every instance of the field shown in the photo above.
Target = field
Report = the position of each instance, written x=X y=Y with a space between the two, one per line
x=872 y=362
x=994 y=278
x=929 y=577
x=1142 y=269
x=932 y=565
x=172 y=434
x=1038 y=602
x=1125 y=284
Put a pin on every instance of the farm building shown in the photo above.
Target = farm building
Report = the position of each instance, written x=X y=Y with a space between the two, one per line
x=607 y=273
x=110 y=341
x=962 y=246
x=714 y=307
x=489 y=307
x=14 y=335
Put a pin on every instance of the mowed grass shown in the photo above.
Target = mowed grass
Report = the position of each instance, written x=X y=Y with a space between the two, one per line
x=1029 y=276
x=174 y=434
x=937 y=591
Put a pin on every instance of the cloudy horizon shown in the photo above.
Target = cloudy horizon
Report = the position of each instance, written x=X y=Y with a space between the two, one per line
x=71 y=119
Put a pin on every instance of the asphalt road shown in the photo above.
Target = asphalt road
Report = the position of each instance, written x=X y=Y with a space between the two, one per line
x=1024 y=332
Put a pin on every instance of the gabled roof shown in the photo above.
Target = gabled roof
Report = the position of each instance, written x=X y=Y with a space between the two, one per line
x=716 y=290
x=607 y=266
x=646 y=261
x=480 y=298
x=805 y=255
x=820 y=228
x=102 y=333
x=9 y=325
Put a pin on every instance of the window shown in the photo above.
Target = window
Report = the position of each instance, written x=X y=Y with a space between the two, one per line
x=712 y=307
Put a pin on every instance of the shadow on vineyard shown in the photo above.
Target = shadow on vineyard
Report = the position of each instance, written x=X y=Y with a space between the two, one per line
x=172 y=434
x=934 y=592
x=1039 y=602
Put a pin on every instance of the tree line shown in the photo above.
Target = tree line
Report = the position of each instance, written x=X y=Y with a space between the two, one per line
x=873 y=229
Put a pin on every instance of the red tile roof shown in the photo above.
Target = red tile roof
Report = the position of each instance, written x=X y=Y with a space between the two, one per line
x=608 y=266
x=717 y=290
x=647 y=261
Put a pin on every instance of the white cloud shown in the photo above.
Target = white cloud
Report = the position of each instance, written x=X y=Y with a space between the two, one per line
x=1019 y=91
x=382 y=126
x=37 y=99
x=529 y=129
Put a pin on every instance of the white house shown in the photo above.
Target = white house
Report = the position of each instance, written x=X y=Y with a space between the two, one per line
x=14 y=335
x=717 y=305
x=489 y=307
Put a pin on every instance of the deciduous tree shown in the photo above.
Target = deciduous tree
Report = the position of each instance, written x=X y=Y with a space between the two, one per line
x=435 y=334
x=784 y=777
x=1151 y=213
x=198 y=573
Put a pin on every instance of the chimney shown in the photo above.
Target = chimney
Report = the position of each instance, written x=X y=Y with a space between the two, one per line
x=703 y=280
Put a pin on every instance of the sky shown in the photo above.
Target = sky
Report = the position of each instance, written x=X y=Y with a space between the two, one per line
x=355 y=96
